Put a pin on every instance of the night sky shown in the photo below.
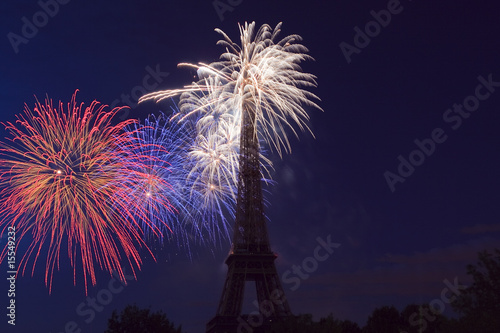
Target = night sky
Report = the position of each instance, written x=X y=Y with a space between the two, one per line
x=425 y=87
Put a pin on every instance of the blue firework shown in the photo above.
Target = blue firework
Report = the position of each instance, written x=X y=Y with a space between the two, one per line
x=157 y=185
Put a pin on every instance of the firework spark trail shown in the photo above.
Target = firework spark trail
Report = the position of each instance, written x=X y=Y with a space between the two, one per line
x=213 y=157
x=57 y=176
x=216 y=147
x=263 y=73
x=212 y=179
x=162 y=191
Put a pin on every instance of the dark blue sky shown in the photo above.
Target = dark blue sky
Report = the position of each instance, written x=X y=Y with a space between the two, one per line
x=397 y=247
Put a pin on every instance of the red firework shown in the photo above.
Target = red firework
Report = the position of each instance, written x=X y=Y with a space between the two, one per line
x=58 y=181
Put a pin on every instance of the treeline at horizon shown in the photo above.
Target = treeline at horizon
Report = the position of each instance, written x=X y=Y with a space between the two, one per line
x=477 y=308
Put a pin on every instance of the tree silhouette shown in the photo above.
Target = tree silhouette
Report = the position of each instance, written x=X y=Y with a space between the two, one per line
x=294 y=324
x=479 y=304
x=421 y=318
x=328 y=325
x=385 y=319
x=304 y=324
x=350 y=327
x=135 y=320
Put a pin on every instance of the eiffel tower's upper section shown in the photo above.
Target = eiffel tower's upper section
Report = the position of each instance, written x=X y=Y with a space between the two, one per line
x=250 y=230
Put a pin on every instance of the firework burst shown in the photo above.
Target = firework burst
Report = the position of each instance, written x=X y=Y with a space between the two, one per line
x=263 y=75
x=58 y=174
x=161 y=192
x=212 y=179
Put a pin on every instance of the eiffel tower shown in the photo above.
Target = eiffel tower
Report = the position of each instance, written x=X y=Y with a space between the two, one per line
x=251 y=258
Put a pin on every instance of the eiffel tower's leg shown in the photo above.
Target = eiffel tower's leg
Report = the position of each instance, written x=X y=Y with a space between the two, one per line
x=231 y=301
x=272 y=303
x=270 y=293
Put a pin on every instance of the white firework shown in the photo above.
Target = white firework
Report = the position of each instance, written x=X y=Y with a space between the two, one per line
x=263 y=74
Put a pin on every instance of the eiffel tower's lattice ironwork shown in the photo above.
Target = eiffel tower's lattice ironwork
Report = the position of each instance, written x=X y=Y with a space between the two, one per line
x=251 y=258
